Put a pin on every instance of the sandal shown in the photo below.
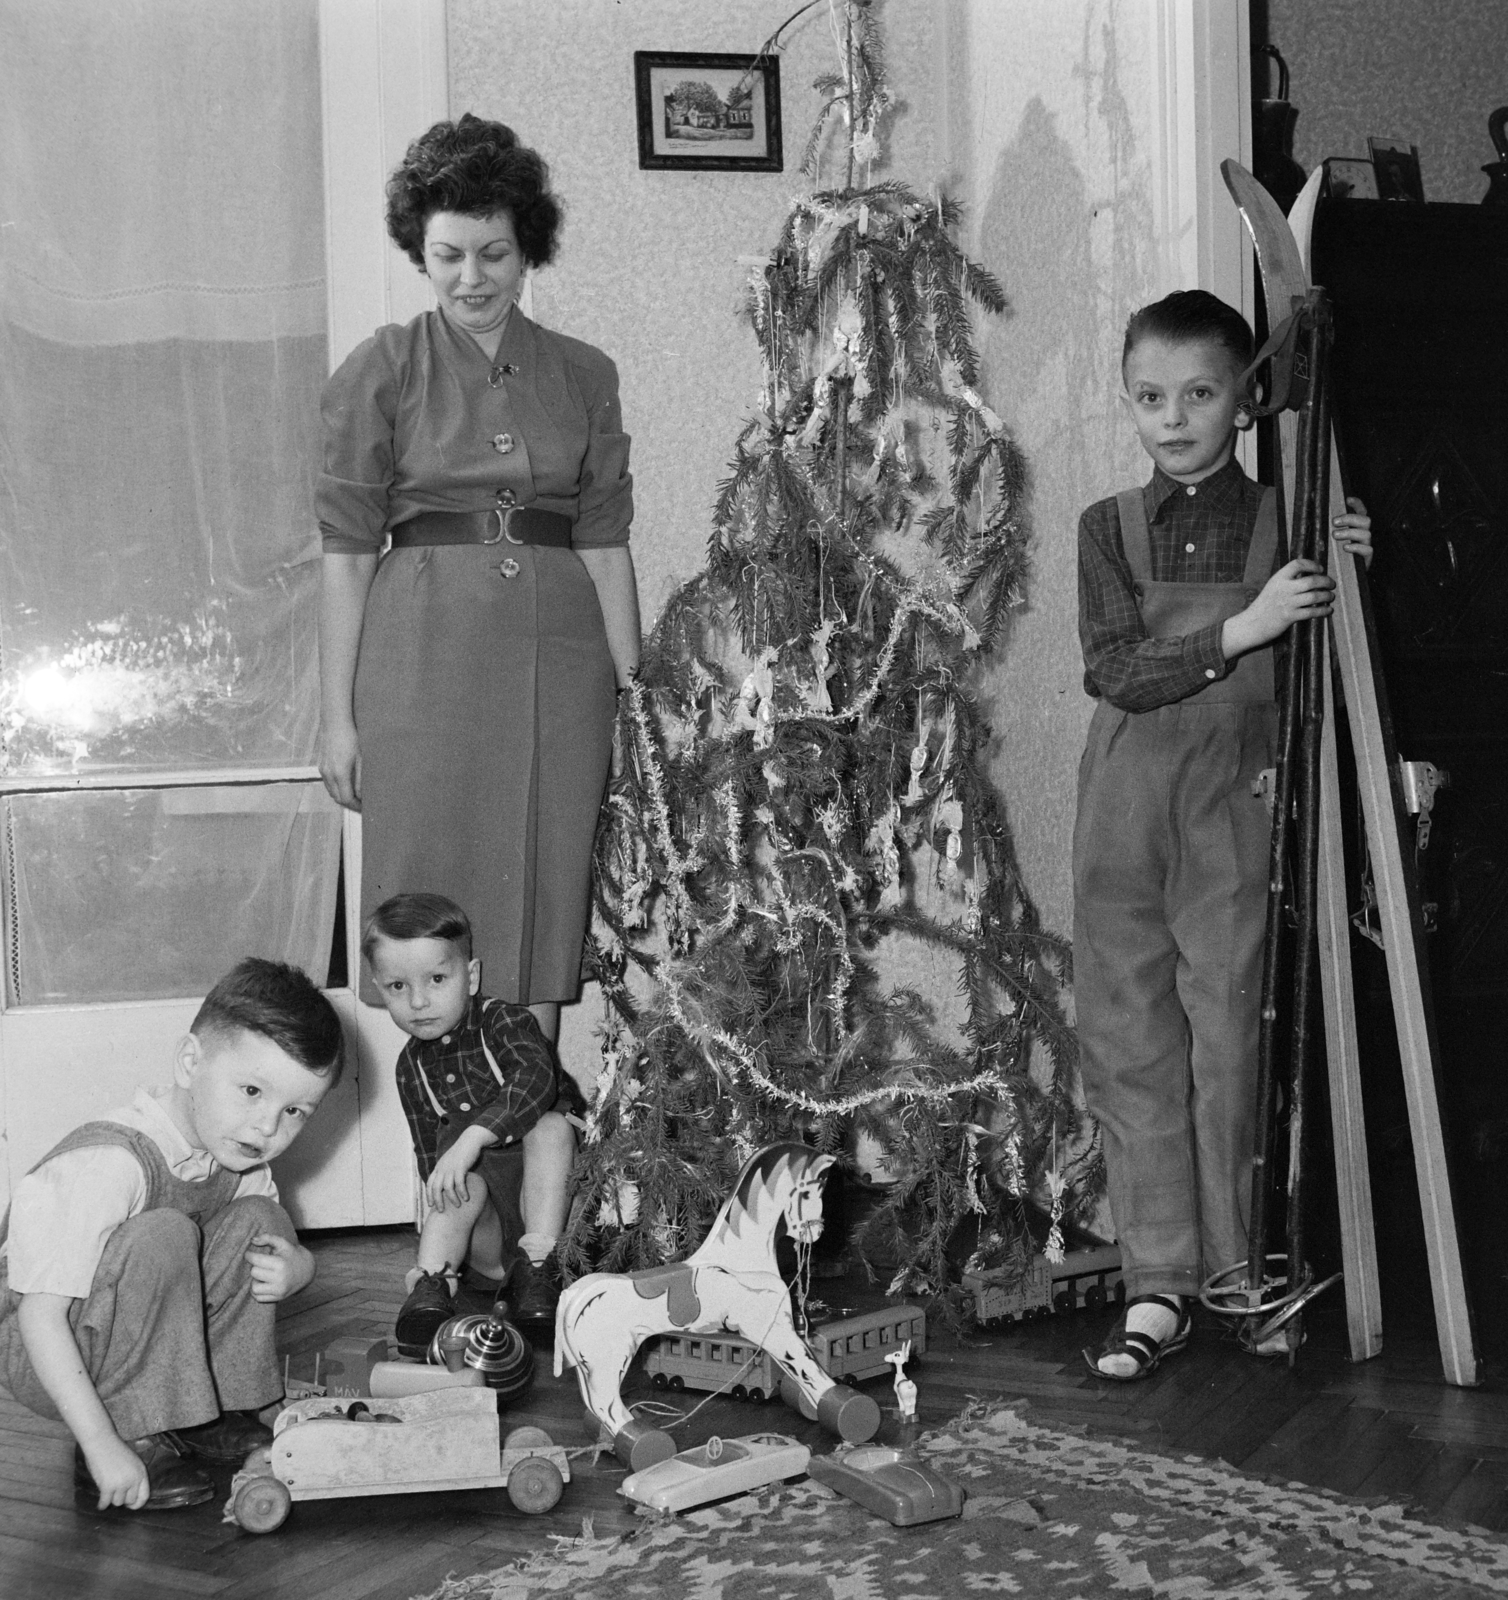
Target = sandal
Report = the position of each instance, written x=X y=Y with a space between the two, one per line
x=1143 y=1349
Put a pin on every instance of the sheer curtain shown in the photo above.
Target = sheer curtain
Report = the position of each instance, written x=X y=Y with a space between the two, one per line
x=162 y=347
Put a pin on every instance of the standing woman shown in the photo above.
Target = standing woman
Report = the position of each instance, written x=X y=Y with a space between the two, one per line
x=478 y=605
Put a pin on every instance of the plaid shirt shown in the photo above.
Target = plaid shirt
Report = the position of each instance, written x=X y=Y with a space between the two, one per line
x=1200 y=533
x=494 y=1071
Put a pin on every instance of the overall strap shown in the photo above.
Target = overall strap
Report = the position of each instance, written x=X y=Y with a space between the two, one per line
x=481 y=1033
x=1262 y=555
x=429 y=1091
x=1136 y=538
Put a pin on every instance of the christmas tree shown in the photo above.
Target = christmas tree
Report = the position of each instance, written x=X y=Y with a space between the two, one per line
x=802 y=749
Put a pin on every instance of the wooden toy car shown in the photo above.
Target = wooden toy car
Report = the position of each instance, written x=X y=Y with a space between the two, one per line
x=715 y=1470
x=449 y=1439
x=890 y=1484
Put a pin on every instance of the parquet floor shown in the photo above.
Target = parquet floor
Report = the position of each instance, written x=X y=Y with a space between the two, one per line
x=1391 y=1429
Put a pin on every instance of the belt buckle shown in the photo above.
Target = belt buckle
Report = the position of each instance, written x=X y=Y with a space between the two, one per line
x=504 y=515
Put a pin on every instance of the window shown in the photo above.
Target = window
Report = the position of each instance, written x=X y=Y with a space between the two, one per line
x=162 y=349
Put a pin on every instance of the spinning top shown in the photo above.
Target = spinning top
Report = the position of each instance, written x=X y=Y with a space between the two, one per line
x=494 y=1347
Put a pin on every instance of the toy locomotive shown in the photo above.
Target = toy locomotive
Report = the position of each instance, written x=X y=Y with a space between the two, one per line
x=1087 y=1279
x=847 y=1348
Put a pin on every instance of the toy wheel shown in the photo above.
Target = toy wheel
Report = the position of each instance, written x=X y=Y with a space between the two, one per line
x=738 y=1392
x=535 y=1485
x=528 y=1439
x=1094 y=1297
x=677 y=1381
x=262 y=1505
x=757 y=1396
x=1063 y=1302
x=659 y=1380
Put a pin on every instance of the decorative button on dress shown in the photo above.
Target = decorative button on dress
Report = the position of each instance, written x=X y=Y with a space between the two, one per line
x=484 y=693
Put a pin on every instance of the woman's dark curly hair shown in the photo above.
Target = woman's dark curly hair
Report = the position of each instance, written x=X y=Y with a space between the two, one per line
x=476 y=169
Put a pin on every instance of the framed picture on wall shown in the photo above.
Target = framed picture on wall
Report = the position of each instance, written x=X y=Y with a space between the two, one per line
x=716 y=111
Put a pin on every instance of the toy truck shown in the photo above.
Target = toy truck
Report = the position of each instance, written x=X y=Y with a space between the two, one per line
x=447 y=1439
x=1090 y=1279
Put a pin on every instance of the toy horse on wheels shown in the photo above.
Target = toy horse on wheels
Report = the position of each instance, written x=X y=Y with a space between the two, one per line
x=731 y=1284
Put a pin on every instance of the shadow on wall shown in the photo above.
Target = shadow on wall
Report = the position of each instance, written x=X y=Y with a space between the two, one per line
x=1038 y=360
x=1034 y=235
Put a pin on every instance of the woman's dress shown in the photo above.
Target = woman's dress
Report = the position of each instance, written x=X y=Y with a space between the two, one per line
x=484 y=695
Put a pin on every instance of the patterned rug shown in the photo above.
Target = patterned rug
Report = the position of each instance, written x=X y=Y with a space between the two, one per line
x=1049 y=1513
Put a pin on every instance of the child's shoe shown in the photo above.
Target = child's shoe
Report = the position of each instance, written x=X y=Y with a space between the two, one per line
x=477 y=1290
x=430 y=1303
x=227 y=1441
x=171 y=1481
x=533 y=1292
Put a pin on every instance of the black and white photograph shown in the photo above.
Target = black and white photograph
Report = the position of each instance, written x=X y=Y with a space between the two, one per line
x=753 y=799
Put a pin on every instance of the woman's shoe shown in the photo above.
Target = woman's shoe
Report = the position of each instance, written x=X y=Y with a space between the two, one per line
x=1142 y=1348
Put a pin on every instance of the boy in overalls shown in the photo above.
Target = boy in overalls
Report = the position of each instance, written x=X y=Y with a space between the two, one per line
x=1181 y=599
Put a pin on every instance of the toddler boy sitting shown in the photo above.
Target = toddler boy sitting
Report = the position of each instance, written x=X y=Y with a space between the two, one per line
x=486 y=1105
x=143 y=1256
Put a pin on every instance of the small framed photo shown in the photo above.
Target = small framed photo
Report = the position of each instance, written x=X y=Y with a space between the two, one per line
x=1397 y=168
x=717 y=111
x=1348 y=179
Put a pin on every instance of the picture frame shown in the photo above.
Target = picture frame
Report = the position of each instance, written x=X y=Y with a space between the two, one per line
x=1397 y=168
x=714 y=111
x=1347 y=178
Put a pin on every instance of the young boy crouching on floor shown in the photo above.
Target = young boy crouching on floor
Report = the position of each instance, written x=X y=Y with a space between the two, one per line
x=487 y=1107
x=144 y=1255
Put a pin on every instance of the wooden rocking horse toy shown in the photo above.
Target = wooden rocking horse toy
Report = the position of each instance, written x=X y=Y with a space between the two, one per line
x=731 y=1284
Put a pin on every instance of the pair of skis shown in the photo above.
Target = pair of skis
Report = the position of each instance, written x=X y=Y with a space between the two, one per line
x=1307 y=837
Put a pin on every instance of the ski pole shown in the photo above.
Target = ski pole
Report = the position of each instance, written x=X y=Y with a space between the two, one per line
x=1307 y=662
x=1275 y=942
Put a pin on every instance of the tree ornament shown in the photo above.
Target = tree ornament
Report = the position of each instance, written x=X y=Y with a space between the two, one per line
x=820 y=700
x=881 y=849
x=918 y=765
x=756 y=701
x=1057 y=1183
x=947 y=823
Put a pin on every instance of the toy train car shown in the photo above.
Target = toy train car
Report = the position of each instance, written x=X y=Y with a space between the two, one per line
x=847 y=1348
x=1087 y=1279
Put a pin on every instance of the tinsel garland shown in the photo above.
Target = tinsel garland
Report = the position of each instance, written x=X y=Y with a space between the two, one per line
x=800 y=797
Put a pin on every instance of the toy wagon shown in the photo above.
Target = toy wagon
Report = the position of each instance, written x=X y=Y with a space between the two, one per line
x=447 y=1439
x=847 y=1348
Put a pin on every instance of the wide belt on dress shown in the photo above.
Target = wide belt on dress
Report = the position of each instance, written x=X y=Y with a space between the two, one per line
x=503 y=524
